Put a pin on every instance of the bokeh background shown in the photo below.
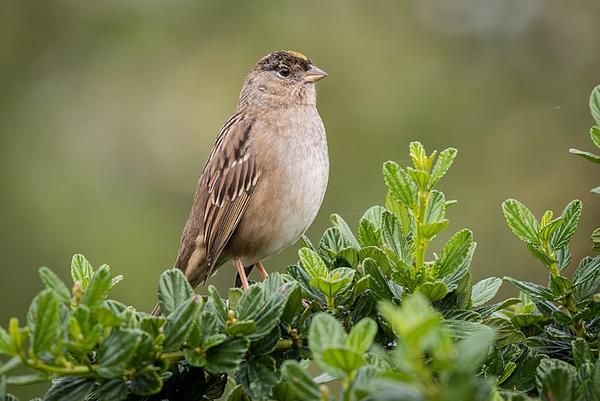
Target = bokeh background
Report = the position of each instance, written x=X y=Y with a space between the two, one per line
x=108 y=111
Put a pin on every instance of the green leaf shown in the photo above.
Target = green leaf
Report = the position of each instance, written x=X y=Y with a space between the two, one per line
x=332 y=242
x=595 y=135
x=112 y=390
x=377 y=282
x=400 y=185
x=474 y=350
x=250 y=302
x=6 y=343
x=418 y=155
x=345 y=230
x=436 y=207
x=443 y=164
x=393 y=237
x=23 y=380
x=343 y=359
x=521 y=221
x=284 y=392
x=146 y=382
x=560 y=286
x=44 y=312
x=457 y=252
x=595 y=104
x=581 y=352
x=238 y=394
x=226 y=356
x=556 y=380
x=269 y=313
x=98 y=288
x=535 y=291
x=568 y=224
x=415 y=322
x=337 y=281
x=483 y=291
x=54 y=283
x=596 y=239
x=116 y=351
x=180 y=323
x=430 y=230
x=173 y=290
x=586 y=155
x=312 y=263
x=368 y=234
x=258 y=376
x=325 y=332
x=70 y=389
x=433 y=290
x=302 y=384
x=374 y=215
x=586 y=279
x=216 y=304
x=241 y=327
x=361 y=336
x=81 y=270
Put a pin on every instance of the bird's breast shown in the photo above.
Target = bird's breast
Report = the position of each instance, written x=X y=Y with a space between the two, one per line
x=295 y=170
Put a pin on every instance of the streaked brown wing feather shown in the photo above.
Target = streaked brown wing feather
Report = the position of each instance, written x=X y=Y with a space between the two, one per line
x=230 y=177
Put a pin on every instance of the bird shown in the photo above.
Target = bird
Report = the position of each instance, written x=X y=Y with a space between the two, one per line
x=266 y=175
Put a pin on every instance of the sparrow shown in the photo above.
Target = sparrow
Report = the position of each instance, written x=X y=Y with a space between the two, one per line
x=266 y=175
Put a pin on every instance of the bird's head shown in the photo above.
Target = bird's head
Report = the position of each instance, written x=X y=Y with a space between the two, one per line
x=282 y=78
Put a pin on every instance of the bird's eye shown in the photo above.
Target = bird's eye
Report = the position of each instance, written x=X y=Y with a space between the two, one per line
x=283 y=71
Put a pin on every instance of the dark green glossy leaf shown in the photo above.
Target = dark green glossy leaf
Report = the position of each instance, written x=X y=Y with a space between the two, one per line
x=586 y=279
x=180 y=323
x=70 y=389
x=116 y=351
x=173 y=290
x=258 y=376
x=227 y=355
x=533 y=290
x=112 y=390
x=146 y=382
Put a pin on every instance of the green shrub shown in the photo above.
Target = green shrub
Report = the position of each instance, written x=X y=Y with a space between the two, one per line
x=378 y=318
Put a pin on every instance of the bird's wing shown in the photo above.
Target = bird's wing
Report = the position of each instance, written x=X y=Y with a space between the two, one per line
x=229 y=177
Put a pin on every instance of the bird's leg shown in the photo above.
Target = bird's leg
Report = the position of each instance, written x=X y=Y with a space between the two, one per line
x=238 y=278
x=261 y=270
x=242 y=273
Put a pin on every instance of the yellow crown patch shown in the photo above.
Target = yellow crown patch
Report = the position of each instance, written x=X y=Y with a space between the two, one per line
x=297 y=54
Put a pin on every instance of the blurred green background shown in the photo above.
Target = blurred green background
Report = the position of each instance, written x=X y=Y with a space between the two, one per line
x=108 y=111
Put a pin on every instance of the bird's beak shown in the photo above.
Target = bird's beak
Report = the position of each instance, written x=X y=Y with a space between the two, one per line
x=314 y=74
